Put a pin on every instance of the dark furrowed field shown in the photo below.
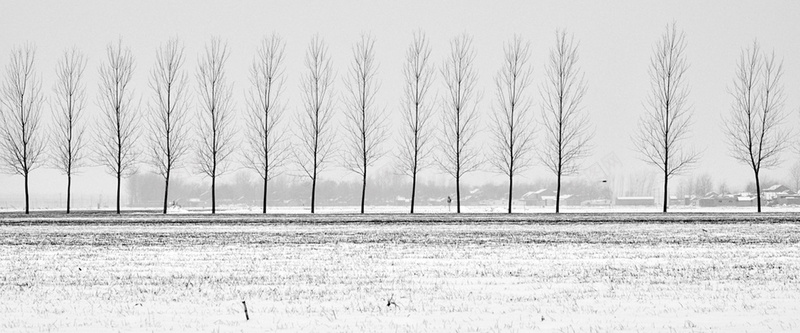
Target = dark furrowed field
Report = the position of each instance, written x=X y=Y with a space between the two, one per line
x=572 y=272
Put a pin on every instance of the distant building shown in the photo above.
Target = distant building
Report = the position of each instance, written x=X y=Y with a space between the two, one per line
x=596 y=202
x=777 y=194
x=566 y=200
x=545 y=197
x=789 y=200
x=780 y=195
x=635 y=201
x=534 y=198
x=675 y=201
x=712 y=199
x=746 y=201
x=777 y=188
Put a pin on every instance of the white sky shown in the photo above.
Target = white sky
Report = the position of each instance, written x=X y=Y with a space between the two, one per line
x=616 y=38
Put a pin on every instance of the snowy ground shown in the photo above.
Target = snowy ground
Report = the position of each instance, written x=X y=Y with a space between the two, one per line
x=499 y=209
x=638 y=272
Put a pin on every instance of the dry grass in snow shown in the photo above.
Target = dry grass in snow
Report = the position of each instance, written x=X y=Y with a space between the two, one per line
x=595 y=274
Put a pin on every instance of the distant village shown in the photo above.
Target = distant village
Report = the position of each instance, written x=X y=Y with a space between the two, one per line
x=389 y=191
x=392 y=192
x=776 y=195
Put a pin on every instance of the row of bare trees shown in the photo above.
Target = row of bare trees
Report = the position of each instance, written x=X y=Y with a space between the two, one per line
x=512 y=150
x=755 y=126
x=167 y=122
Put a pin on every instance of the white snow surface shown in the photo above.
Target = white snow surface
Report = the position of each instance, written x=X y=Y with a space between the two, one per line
x=242 y=209
x=722 y=273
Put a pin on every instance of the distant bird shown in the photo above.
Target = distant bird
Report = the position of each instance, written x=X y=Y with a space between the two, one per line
x=704 y=230
x=79 y=269
x=542 y=318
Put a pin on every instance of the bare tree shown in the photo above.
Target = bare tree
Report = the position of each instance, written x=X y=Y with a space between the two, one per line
x=512 y=126
x=754 y=126
x=168 y=123
x=118 y=126
x=723 y=187
x=68 y=107
x=459 y=117
x=22 y=141
x=664 y=127
x=216 y=115
x=417 y=110
x=267 y=149
x=703 y=184
x=315 y=136
x=687 y=187
x=566 y=126
x=794 y=174
x=364 y=124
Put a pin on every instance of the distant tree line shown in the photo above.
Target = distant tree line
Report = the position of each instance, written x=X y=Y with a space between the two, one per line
x=242 y=190
x=171 y=126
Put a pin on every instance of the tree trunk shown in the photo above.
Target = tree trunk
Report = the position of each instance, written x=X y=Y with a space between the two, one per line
x=213 y=194
x=27 y=197
x=413 y=189
x=313 y=191
x=510 y=191
x=666 y=192
x=558 y=191
x=119 y=185
x=758 y=192
x=363 y=190
x=264 y=200
x=69 y=185
x=166 y=191
x=458 y=194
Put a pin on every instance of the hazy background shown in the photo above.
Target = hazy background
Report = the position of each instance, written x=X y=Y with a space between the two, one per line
x=616 y=40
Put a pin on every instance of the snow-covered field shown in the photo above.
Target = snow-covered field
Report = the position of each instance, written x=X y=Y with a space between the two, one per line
x=478 y=209
x=682 y=272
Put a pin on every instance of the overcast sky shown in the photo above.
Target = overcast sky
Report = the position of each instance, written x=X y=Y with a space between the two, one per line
x=616 y=40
